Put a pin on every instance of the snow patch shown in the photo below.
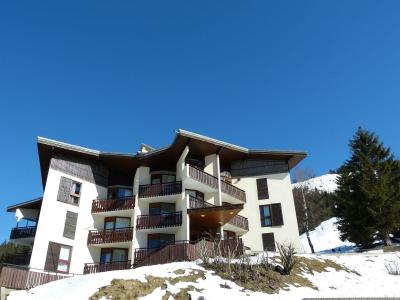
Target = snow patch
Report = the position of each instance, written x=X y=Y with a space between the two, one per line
x=326 y=183
x=326 y=237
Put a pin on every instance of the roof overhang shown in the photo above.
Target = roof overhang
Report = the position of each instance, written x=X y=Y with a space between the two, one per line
x=200 y=145
x=31 y=204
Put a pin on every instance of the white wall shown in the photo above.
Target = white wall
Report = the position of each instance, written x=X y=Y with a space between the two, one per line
x=280 y=191
x=52 y=220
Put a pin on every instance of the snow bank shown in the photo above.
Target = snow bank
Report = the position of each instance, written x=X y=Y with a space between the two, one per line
x=371 y=280
x=325 y=183
x=325 y=237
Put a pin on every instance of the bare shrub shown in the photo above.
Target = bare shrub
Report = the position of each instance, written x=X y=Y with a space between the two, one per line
x=393 y=266
x=288 y=259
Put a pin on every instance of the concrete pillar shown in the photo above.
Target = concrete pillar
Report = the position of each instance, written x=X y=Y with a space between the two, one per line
x=219 y=181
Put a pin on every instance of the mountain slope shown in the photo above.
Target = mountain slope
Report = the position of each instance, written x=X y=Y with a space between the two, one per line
x=325 y=237
x=325 y=183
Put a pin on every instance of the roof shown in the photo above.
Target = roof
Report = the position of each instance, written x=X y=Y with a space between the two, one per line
x=200 y=145
x=33 y=204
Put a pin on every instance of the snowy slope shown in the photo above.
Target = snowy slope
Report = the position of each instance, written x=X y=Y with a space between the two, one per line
x=325 y=237
x=325 y=183
x=372 y=280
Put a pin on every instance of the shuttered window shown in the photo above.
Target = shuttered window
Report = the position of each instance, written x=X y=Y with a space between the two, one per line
x=58 y=258
x=262 y=188
x=70 y=224
x=271 y=215
x=268 y=240
x=69 y=191
x=276 y=214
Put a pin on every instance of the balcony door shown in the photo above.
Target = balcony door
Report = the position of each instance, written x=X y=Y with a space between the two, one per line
x=113 y=255
x=161 y=213
x=119 y=192
x=113 y=223
x=157 y=241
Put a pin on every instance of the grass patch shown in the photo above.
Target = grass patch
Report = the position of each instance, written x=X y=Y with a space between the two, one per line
x=125 y=289
x=261 y=278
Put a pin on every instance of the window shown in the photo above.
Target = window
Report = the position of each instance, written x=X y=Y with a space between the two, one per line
x=265 y=214
x=64 y=258
x=119 y=192
x=112 y=223
x=157 y=241
x=70 y=224
x=162 y=178
x=195 y=194
x=75 y=193
x=69 y=191
x=109 y=255
x=271 y=215
x=268 y=240
x=58 y=257
x=262 y=188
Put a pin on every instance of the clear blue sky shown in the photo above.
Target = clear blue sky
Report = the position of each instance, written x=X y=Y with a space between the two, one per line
x=262 y=74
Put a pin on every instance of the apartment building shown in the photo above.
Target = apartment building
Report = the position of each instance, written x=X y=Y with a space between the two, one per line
x=103 y=211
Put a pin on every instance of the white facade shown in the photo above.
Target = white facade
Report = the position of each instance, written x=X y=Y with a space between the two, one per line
x=52 y=218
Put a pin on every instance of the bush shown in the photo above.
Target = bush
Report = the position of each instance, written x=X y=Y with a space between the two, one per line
x=393 y=266
x=288 y=258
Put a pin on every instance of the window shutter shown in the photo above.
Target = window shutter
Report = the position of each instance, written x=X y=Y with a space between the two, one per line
x=70 y=224
x=268 y=241
x=53 y=253
x=276 y=214
x=64 y=190
x=262 y=188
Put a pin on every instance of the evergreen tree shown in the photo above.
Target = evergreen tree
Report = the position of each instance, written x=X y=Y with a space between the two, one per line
x=368 y=196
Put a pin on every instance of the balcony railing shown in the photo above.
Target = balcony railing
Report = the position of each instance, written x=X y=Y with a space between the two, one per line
x=198 y=203
x=107 y=236
x=104 y=267
x=23 y=232
x=141 y=253
x=233 y=191
x=203 y=177
x=100 y=205
x=161 y=189
x=212 y=181
x=240 y=222
x=159 y=221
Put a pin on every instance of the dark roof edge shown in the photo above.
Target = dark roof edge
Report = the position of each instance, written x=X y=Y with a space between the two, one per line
x=11 y=208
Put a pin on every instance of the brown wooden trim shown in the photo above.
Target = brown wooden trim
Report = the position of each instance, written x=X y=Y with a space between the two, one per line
x=110 y=236
x=103 y=205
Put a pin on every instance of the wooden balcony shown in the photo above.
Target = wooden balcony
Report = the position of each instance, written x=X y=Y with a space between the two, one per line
x=104 y=267
x=186 y=251
x=212 y=182
x=195 y=203
x=240 y=221
x=233 y=191
x=159 y=221
x=105 y=205
x=119 y=235
x=214 y=216
x=23 y=232
x=21 y=278
x=162 y=189
x=203 y=177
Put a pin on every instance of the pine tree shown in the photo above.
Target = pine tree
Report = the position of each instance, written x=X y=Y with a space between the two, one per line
x=368 y=197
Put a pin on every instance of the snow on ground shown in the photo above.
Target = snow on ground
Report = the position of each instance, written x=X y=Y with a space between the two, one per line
x=372 y=280
x=325 y=237
x=325 y=183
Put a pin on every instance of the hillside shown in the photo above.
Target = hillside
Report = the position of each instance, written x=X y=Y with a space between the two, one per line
x=347 y=275
x=325 y=183
x=325 y=238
